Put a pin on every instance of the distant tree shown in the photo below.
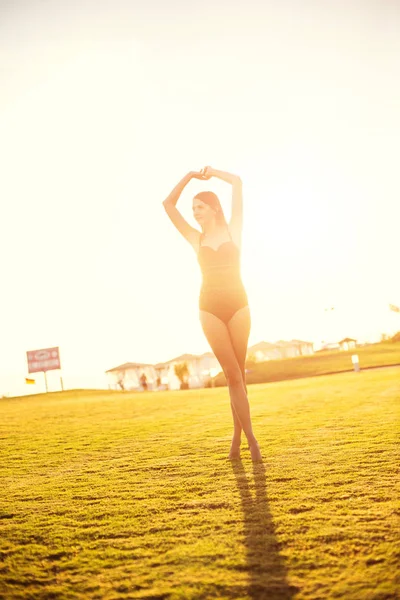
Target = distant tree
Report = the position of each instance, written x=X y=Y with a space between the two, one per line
x=208 y=382
x=182 y=372
x=395 y=337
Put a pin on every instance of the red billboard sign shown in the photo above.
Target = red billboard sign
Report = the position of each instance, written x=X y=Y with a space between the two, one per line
x=43 y=360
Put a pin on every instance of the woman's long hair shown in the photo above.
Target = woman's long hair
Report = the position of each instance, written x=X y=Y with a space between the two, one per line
x=212 y=200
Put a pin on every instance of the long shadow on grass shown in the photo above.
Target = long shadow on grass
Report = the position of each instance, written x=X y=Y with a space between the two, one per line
x=266 y=568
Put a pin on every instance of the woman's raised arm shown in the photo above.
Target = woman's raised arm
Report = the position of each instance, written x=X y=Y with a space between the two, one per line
x=236 y=222
x=178 y=189
x=188 y=232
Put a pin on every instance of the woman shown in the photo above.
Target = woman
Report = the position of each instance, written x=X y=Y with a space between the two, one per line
x=224 y=310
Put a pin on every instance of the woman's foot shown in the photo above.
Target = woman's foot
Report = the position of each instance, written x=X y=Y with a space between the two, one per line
x=235 y=450
x=255 y=452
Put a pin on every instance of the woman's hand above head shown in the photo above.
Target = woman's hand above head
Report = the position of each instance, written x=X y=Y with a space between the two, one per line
x=198 y=174
x=207 y=172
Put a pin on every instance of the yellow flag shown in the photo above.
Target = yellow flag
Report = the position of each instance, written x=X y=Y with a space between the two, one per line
x=29 y=380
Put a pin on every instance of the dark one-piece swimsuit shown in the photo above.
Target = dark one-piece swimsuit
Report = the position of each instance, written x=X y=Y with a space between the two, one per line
x=222 y=292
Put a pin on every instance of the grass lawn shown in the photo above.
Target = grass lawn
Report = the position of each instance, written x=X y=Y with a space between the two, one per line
x=127 y=495
x=320 y=363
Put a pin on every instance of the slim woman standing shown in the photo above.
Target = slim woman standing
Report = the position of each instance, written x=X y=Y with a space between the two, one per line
x=224 y=309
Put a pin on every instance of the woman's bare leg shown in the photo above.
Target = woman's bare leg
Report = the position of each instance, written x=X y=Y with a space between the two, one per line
x=219 y=338
x=239 y=330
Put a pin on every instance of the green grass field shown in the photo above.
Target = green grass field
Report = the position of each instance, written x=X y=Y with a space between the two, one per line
x=122 y=495
x=320 y=363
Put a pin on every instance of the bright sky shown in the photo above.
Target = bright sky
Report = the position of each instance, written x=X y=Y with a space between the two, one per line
x=105 y=106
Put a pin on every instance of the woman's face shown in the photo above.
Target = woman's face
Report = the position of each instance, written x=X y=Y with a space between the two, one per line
x=202 y=212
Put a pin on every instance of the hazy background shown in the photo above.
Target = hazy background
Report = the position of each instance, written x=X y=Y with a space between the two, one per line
x=105 y=106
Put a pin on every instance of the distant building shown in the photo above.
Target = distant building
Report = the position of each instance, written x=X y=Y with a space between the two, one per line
x=347 y=344
x=281 y=349
x=201 y=369
x=127 y=376
x=328 y=347
x=161 y=376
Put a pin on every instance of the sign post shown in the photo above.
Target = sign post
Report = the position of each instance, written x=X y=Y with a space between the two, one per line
x=356 y=364
x=47 y=359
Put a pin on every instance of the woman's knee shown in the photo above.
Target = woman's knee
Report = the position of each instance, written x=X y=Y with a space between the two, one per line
x=233 y=376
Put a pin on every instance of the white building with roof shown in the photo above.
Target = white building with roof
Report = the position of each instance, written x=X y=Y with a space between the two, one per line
x=161 y=376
